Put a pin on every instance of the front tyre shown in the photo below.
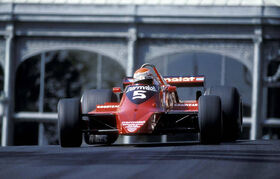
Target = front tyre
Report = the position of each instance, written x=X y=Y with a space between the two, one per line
x=90 y=99
x=69 y=122
x=210 y=119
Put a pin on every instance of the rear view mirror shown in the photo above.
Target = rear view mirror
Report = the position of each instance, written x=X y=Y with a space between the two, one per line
x=171 y=89
x=117 y=90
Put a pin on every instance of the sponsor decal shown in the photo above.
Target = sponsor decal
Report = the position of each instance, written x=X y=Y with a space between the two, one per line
x=132 y=126
x=106 y=106
x=147 y=88
x=187 y=104
x=184 y=79
x=140 y=94
x=180 y=79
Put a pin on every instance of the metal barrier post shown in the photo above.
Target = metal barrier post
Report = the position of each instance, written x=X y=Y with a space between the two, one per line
x=2 y=113
x=8 y=123
x=256 y=129
x=41 y=130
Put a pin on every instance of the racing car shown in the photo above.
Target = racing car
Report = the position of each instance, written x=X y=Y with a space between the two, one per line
x=149 y=104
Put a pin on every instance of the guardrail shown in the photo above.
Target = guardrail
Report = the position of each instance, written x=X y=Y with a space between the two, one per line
x=36 y=117
x=52 y=117
x=269 y=122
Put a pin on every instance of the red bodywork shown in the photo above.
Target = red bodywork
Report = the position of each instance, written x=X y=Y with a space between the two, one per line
x=144 y=110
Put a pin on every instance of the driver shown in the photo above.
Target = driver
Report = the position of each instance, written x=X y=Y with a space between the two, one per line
x=143 y=76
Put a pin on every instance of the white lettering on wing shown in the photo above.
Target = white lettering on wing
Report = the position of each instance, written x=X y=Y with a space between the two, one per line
x=107 y=106
x=132 y=126
x=186 y=104
x=180 y=79
x=147 y=88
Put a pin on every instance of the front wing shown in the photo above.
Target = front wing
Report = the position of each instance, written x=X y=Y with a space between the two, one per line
x=166 y=123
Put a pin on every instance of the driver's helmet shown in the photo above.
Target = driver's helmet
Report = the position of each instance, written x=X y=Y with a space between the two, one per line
x=143 y=75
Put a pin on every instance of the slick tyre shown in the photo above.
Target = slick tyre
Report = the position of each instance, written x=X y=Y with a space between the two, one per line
x=90 y=99
x=93 y=97
x=69 y=122
x=231 y=111
x=210 y=119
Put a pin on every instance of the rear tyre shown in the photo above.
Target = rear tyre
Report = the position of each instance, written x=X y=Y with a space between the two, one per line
x=231 y=111
x=69 y=122
x=90 y=99
x=210 y=119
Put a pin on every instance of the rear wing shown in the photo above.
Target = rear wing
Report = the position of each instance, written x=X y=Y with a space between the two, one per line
x=179 y=81
x=185 y=81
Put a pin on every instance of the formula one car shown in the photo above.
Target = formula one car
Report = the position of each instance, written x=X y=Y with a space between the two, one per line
x=149 y=104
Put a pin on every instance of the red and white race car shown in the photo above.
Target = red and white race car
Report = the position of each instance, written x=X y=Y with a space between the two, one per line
x=149 y=104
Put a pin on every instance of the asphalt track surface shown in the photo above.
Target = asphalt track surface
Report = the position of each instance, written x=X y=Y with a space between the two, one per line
x=243 y=159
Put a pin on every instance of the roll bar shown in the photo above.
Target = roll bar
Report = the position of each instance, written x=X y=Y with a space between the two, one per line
x=162 y=81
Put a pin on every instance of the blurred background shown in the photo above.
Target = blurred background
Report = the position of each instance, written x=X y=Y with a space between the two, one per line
x=51 y=49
